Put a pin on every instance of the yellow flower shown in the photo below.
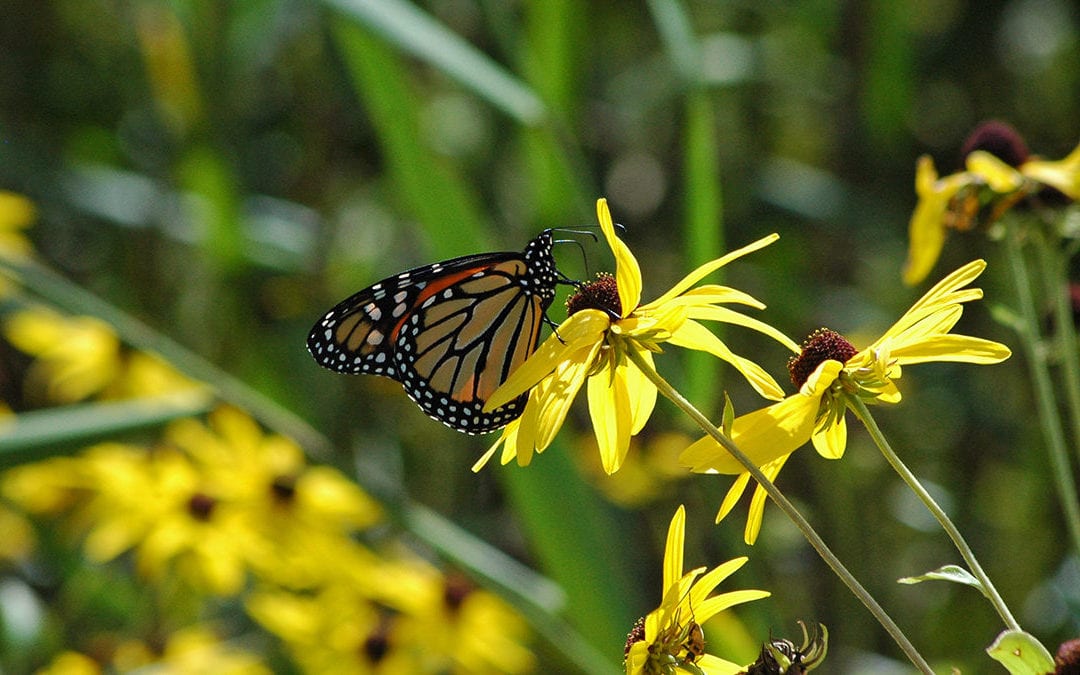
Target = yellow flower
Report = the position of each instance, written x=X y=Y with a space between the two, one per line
x=592 y=347
x=670 y=637
x=829 y=371
x=998 y=170
x=16 y=214
x=76 y=357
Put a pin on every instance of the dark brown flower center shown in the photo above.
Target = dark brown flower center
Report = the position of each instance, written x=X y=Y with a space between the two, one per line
x=201 y=506
x=283 y=489
x=822 y=345
x=456 y=590
x=602 y=294
x=1000 y=140
x=636 y=634
x=1068 y=658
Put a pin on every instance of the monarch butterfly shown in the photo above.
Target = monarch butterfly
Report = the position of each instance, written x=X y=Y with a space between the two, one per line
x=450 y=332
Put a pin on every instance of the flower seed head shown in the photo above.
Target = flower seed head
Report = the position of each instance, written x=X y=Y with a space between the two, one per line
x=1000 y=140
x=822 y=345
x=636 y=634
x=201 y=506
x=602 y=294
x=1067 y=661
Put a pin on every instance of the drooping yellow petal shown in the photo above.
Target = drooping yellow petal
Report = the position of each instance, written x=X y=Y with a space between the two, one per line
x=831 y=441
x=673 y=549
x=582 y=329
x=627 y=270
x=725 y=315
x=763 y=435
x=1063 y=174
x=558 y=394
x=1001 y=177
x=609 y=409
x=926 y=231
x=642 y=393
x=693 y=335
x=708 y=268
x=733 y=495
x=714 y=665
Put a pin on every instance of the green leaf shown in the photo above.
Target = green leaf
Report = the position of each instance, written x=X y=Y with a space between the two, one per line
x=953 y=573
x=35 y=435
x=1021 y=653
x=416 y=32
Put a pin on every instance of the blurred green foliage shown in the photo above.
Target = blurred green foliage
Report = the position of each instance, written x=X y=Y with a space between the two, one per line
x=225 y=172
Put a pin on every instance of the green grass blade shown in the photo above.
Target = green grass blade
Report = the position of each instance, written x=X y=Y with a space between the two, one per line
x=37 y=434
x=417 y=33
x=71 y=297
x=431 y=188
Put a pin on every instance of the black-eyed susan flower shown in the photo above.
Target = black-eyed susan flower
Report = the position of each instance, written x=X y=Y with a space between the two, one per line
x=999 y=173
x=830 y=371
x=670 y=638
x=607 y=322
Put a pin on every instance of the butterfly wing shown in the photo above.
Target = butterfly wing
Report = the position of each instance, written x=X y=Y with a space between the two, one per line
x=451 y=332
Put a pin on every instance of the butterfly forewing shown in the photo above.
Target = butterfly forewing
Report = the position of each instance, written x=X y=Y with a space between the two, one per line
x=451 y=332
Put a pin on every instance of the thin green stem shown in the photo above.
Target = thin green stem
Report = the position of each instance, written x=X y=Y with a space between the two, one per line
x=1056 y=285
x=863 y=413
x=788 y=508
x=1046 y=403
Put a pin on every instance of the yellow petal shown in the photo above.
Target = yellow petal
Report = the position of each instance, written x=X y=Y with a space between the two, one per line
x=926 y=231
x=673 y=550
x=1001 y=177
x=1063 y=174
x=609 y=409
x=693 y=335
x=763 y=435
x=725 y=315
x=582 y=329
x=701 y=272
x=557 y=393
x=733 y=495
x=955 y=348
x=945 y=292
x=627 y=271
x=711 y=294
x=831 y=441
x=642 y=394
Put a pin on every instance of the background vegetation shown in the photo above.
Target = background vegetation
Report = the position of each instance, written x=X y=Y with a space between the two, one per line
x=225 y=172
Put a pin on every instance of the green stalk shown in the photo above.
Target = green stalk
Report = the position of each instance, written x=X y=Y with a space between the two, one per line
x=859 y=408
x=1056 y=283
x=1047 y=409
x=788 y=508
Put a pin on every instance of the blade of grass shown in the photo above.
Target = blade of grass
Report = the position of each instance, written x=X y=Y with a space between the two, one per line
x=35 y=435
x=417 y=33
x=71 y=297
x=431 y=189
x=579 y=543
x=703 y=238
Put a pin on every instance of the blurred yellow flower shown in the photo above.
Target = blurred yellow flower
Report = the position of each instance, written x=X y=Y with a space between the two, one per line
x=592 y=347
x=75 y=357
x=999 y=173
x=670 y=637
x=16 y=214
x=828 y=371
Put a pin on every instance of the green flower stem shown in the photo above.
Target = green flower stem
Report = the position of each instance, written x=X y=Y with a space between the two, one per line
x=863 y=413
x=1056 y=283
x=788 y=508
x=1046 y=403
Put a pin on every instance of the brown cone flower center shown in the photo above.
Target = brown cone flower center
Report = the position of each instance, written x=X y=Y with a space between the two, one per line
x=1000 y=140
x=636 y=634
x=822 y=345
x=602 y=294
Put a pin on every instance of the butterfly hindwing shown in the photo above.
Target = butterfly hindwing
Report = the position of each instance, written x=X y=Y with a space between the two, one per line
x=451 y=332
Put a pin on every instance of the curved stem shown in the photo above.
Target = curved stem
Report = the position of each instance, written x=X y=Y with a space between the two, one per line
x=1046 y=403
x=788 y=508
x=859 y=407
